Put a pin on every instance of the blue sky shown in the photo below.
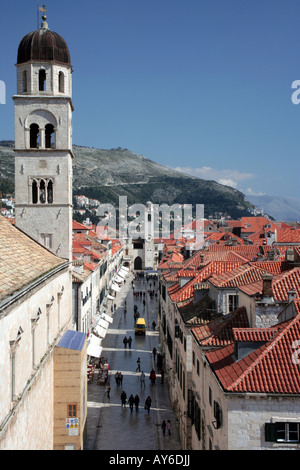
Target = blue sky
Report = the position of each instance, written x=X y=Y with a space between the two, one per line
x=204 y=86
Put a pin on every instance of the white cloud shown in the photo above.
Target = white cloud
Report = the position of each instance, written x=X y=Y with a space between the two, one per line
x=251 y=192
x=227 y=177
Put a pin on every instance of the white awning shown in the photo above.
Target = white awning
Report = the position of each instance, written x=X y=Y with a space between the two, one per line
x=108 y=318
x=115 y=287
x=110 y=297
x=100 y=331
x=122 y=274
x=93 y=350
x=103 y=323
x=93 y=339
x=125 y=268
x=118 y=278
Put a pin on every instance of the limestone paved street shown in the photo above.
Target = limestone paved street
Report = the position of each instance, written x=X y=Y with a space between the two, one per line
x=109 y=425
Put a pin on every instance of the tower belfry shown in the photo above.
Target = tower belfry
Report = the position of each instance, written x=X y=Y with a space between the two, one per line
x=43 y=140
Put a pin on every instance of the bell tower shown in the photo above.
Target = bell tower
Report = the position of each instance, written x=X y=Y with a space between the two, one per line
x=43 y=140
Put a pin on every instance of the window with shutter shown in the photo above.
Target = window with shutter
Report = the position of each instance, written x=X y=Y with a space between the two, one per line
x=282 y=432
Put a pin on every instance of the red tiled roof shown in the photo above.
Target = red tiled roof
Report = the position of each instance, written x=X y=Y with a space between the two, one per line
x=271 y=368
x=78 y=226
x=254 y=224
x=253 y=334
x=287 y=235
x=245 y=274
x=281 y=285
x=187 y=291
x=219 y=332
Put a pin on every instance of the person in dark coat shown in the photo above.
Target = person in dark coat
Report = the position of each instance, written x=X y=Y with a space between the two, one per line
x=129 y=342
x=131 y=402
x=123 y=398
x=152 y=377
x=136 y=402
x=125 y=341
x=148 y=403
x=163 y=426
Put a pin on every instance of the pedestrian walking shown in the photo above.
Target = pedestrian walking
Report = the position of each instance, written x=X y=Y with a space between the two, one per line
x=153 y=325
x=108 y=390
x=136 y=402
x=169 y=426
x=148 y=403
x=163 y=426
x=129 y=342
x=154 y=350
x=131 y=402
x=117 y=378
x=138 y=365
x=120 y=378
x=125 y=341
x=142 y=378
x=152 y=377
x=123 y=398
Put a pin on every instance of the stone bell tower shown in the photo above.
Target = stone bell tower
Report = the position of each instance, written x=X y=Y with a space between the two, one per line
x=43 y=140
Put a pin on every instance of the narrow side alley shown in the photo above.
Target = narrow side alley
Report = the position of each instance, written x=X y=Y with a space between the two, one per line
x=110 y=426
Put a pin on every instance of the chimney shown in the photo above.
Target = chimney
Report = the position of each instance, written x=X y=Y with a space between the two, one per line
x=292 y=294
x=202 y=257
x=267 y=285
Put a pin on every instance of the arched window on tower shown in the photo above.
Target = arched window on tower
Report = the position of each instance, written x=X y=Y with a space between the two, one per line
x=50 y=192
x=34 y=136
x=34 y=192
x=42 y=80
x=24 y=78
x=61 y=82
x=49 y=136
x=42 y=192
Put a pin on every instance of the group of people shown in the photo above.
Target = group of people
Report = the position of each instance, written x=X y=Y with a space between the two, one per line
x=127 y=341
x=119 y=378
x=135 y=401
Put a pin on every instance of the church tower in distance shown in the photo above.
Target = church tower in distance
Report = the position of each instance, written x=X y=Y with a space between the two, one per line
x=43 y=140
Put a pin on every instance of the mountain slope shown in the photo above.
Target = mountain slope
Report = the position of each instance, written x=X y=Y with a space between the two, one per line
x=281 y=208
x=107 y=174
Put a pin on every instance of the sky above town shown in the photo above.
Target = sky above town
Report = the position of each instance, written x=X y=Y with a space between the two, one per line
x=201 y=86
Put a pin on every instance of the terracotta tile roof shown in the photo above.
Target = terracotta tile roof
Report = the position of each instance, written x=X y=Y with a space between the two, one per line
x=219 y=332
x=197 y=312
x=187 y=291
x=273 y=267
x=281 y=285
x=254 y=334
x=245 y=274
x=224 y=237
x=22 y=260
x=254 y=224
x=287 y=235
x=248 y=251
x=78 y=226
x=271 y=368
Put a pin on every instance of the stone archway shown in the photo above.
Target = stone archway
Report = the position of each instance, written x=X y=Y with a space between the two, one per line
x=138 y=263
